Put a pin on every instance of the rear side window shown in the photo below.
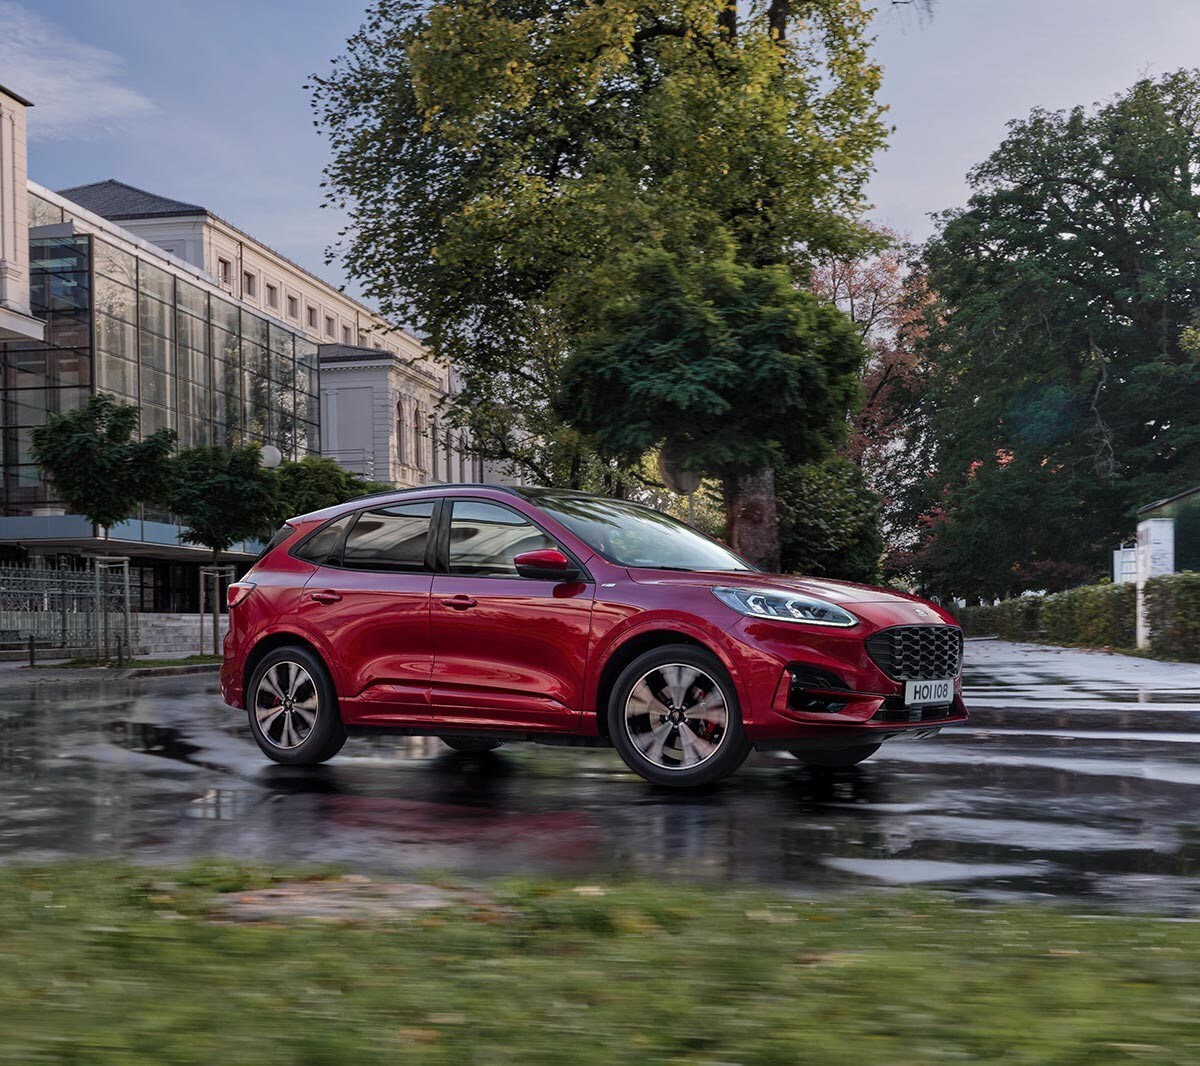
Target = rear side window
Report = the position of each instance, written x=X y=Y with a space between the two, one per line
x=485 y=538
x=325 y=546
x=390 y=538
x=281 y=534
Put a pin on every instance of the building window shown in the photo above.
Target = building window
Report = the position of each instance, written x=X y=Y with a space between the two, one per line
x=347 y=335
x=418 y=434
x=249 y=284
x=310 y=314
x=330 y=326
x=363 y=338
x=272 y=295
x=400 y=432
x=223 y=267
x=293 y=307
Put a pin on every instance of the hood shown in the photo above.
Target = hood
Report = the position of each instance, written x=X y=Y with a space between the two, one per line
x=839 y=592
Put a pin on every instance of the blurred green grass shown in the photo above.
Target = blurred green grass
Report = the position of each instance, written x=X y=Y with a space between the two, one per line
x=106 y=963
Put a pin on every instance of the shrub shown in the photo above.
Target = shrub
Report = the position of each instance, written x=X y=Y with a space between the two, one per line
x=1096 y=616
x=1173 y=615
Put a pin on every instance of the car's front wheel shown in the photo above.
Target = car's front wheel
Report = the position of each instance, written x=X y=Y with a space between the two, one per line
x=835 y=757
x=293 y=708
x=674 y=717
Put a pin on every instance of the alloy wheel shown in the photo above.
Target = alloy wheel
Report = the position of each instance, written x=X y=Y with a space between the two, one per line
x=676 y=716
x=286 y=705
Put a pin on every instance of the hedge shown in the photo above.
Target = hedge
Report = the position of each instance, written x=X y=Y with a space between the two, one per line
x=1096 y=616
x=1173 y=615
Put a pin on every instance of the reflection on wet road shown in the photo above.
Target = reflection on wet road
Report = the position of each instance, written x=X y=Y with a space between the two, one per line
x=1077 y=775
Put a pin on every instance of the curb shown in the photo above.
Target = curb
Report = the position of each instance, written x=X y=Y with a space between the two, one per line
x=167 y=671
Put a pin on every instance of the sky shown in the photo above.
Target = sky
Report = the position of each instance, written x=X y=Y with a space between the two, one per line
x=203 y=100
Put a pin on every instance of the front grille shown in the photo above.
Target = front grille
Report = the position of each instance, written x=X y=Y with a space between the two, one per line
x=917 y=653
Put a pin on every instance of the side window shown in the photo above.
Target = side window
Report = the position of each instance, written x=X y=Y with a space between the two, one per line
x=390 y=538
x=485 y=539
x=324 y=548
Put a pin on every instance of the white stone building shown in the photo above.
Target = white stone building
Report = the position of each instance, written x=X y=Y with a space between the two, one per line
x=16 y=322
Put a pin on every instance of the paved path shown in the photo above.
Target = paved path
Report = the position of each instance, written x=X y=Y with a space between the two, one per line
x=1076 y=777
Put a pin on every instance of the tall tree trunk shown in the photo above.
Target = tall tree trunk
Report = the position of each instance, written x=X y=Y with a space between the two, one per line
x=778 y=14
x=751 y=521
x=216 y=604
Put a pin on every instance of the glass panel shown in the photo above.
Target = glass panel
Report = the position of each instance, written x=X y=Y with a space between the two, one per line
x=156 y=387
x=69 y=331
x=193 y=400
x=256 y=406
x=114 y=263
x=65 y=255
x=310 y=442
x=254 y=328
x=46 y=367
x=116 y=336
x=55 y=291
x=115 y=299
x=227 y=346
x=43 y=212
x=225 y=315
x=390 y=538
x=29 y=407
x=227 y=376
x=156 y=352
x=116 y=375
x=154 y=419
x=254 y=359
x=155 y=282
x=192 y=366
x=324 y=548
x=191 y=331
x=192 y=299
x=485 y=538
x=156 y=316
x=281 y=340
x=193 y=432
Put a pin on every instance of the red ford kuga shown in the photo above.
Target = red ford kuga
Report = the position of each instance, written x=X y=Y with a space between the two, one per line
x=482 y=614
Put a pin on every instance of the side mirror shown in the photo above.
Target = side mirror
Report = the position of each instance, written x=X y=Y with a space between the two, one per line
x=548 y=564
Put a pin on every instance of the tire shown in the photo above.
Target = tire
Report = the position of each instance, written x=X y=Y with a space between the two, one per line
x=279 y=700
x=471 y=745
x=657 y=737
x=834 y=757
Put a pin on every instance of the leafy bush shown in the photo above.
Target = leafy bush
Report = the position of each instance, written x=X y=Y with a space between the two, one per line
x=1173 y=615
x=1096 y=616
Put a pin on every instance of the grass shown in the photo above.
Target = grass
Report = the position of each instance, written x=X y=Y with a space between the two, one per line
x=91 y=662
x=108 y=964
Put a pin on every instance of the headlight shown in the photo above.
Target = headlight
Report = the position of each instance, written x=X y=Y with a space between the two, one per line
x=785 y=607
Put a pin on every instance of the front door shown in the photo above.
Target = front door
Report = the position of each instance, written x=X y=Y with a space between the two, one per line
x=368 y=603
x=509 y=651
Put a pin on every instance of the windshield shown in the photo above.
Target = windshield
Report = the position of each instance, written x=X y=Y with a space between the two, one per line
x=629 y=534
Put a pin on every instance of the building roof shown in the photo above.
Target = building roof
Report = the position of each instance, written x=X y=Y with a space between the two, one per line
x=350 y=353
x=16 y=96
x=1187 y=493
x=115 y=200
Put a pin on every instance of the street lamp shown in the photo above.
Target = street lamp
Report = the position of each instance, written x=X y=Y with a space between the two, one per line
x=271 y=456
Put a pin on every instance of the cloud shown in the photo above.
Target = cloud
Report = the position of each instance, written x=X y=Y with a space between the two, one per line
x=75 y=86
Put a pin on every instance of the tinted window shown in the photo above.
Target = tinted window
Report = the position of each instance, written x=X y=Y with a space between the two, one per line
x=324 y=547
x=281 y=534
x=390 y=538
x=485 y=539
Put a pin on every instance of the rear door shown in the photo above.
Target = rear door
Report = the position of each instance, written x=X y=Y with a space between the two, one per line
x=369 y=602
x=509 y=651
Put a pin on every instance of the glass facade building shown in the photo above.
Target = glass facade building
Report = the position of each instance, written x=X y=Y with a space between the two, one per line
x=122 y=321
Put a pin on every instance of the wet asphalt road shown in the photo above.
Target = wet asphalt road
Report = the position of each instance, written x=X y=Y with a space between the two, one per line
x=1078 y=776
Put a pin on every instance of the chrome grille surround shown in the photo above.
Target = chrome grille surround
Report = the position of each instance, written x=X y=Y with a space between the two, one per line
x=917 y=653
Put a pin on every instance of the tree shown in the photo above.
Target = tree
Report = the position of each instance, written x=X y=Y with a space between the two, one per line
x=499 y=160
x=95 y=465
x=829 y=521
x=731 y=366
x=224 y=495
x=1059 y=391
x=314 y=483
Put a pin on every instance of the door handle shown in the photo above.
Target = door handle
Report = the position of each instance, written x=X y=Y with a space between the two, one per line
x=460 y=603
x=325 y=597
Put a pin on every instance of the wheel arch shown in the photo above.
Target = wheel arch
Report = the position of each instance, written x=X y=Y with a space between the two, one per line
x=629 y=649
x=271 y=642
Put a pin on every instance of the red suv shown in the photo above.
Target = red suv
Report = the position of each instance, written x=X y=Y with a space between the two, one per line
x=482 y=614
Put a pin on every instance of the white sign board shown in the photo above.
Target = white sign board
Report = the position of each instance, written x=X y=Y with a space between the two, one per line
x=1155 y=556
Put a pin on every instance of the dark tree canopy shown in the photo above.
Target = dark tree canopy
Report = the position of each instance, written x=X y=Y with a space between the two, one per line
x=313 y=483
x=224 y=495
x=829 y=521
x=96 y=466
x=1059 y=392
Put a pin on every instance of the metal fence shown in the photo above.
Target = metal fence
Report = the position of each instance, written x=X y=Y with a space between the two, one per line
x=73 y=609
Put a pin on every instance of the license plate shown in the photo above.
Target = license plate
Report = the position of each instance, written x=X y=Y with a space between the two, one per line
x=920 y=693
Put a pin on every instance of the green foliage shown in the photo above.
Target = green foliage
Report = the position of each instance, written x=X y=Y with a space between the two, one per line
x=95 y=465
x=110 y=965
x=224 y=495
x=500 y=161
x=1059 y=384
x=314 y=483
x=1092 y=616
x=730 y=365
x=829 y=521
x=1173 y=615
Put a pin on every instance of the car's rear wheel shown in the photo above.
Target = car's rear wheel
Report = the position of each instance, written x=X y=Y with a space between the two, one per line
x=674 y=717
x=293 y=708
x=471 y=745
x=834 y=757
